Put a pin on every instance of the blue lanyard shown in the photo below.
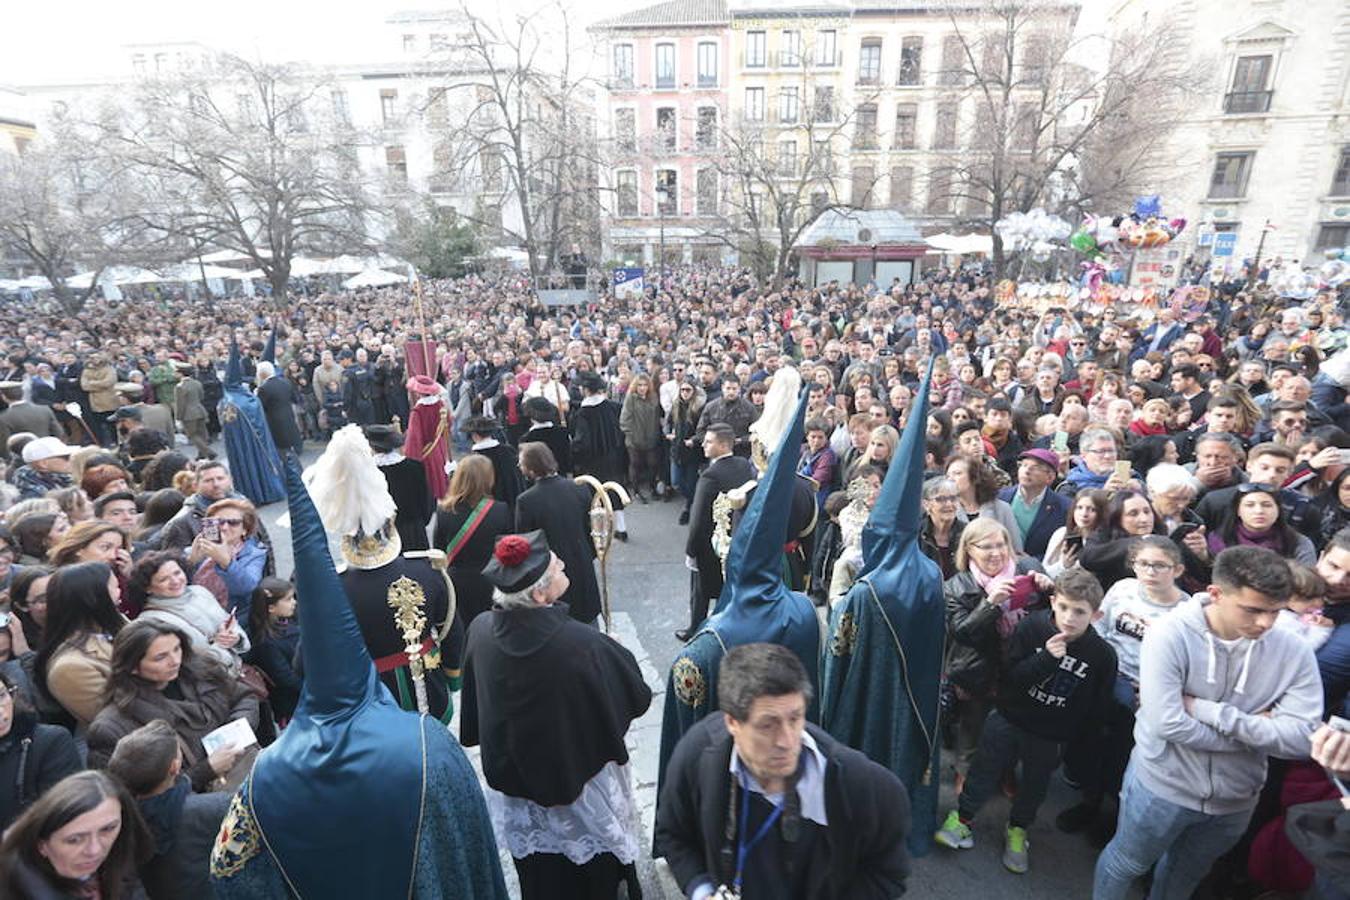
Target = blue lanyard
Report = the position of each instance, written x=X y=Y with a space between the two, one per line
x=742 y=848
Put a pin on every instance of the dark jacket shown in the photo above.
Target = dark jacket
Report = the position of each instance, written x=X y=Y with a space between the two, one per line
x=1050 y=516
x=473 y=592
x=861 y=855
x=33 y=757
x=407 y=480
x=561 y=507
x=30 y=884
x=1055 y=699
x=556 y=438
x=719 y=477
x=975 y=651
x=277 y=396
x=185 y=826
x=207 y=704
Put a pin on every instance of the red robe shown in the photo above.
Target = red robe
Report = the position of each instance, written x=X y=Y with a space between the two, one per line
x=428 y=440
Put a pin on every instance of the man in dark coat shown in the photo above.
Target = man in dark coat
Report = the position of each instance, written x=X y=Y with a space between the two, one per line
x=484 y=433
x=276 y=393
x=724 y=472
x=550 y=700
x=358 y=390
x=842 y=820
x=407 y=480
x=597 y=440
x=544 y=428
x=561 y=508
x=1038 y=509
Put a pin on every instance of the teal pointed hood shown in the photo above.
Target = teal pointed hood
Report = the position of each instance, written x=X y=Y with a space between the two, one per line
x=270 y=351
x=754 y=587
x=234 y=370
x=339 y=796
x=893 y=527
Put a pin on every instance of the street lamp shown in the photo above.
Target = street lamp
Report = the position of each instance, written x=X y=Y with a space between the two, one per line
x=662 y=197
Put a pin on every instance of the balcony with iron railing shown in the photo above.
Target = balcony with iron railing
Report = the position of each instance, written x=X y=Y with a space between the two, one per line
x=1239 y=102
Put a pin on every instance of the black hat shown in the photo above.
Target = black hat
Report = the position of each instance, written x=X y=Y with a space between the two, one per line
x=589 y=381
x=127 y=412
x=383 y=438
x=518 y=561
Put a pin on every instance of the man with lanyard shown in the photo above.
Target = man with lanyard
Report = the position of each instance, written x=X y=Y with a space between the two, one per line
x=759 y=804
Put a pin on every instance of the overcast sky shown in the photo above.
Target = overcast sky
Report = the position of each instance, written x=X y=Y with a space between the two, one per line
x=67 y=40
x=50 y=41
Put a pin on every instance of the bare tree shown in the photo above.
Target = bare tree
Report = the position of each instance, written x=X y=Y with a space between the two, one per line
x=64 y=207
x=1048 y=129
x=250 y=157
x=530 y=132
x=780 y=168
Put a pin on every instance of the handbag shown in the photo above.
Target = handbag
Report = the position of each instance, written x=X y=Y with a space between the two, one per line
x=256 y=680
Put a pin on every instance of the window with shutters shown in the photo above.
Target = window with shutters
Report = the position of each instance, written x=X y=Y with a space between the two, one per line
x=865 y=127
x=706 y=199
x=665 y=66
x=823 y=111
x=944 y=131
x=869 y=61
x=626 y=185
x=705 y=134
x=388 y=106
x=396 y=162
x=953 y=61
x=1250 y=91
x=667 y=192
x=864 y=179
x=1340 y=180
x=1231 y=171
x=939 y=194
x=906 y=126
x=902 y=187
x=667 y=128
x=911 y=62
x=623 y=65
x=625 y=130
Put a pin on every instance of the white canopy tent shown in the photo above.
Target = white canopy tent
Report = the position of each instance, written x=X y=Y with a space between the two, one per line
x=224 y=256
x=373 y=278
x=961 y=243
x=190 y=271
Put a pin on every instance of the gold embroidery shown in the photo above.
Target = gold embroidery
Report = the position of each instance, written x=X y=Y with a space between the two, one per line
x=229 y=412
x=237 y=842
x=408 y=600
x=845 y=636
x=690 y=686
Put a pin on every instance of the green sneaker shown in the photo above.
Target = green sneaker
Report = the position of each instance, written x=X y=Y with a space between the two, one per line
x=1015 y=851
x=954 y=833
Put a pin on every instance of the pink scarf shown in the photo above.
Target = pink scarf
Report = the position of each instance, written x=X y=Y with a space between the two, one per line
x=1008 y=621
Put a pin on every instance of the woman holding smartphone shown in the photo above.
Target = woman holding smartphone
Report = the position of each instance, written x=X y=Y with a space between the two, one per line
x=229 y=557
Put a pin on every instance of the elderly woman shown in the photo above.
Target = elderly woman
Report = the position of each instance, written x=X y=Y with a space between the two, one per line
x=941 y=531
x=993 y=589
x=160 y=587
x=232 y=566
x=155 y=675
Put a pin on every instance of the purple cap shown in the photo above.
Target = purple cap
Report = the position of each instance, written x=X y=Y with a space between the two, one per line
x=1045 y=457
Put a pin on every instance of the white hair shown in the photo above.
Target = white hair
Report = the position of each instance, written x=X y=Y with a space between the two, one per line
x=524 y=599
x=265 y=370
x=1164 y=478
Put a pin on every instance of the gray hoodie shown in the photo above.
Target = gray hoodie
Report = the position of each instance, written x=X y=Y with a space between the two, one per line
x=1215 y=760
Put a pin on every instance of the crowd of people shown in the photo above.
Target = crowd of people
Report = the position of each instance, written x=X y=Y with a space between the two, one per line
x=1140 y=515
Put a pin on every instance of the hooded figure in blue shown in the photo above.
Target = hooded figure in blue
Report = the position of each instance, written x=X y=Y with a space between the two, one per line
x=883 y=655
x=357 y=798
x=254 y=463
x=755 y=605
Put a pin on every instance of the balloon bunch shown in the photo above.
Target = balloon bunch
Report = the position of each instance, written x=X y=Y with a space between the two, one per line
x=1291 y=281
x=1336 y=270
x=1143 y=227
x=1035 y=231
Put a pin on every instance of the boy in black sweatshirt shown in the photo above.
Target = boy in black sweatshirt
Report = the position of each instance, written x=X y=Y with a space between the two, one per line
x=1058 y=676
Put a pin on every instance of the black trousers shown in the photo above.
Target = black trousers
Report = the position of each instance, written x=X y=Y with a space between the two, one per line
x=1003 y=745
x=552 y=876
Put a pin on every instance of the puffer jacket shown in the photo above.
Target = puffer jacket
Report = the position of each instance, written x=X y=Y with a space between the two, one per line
x=975 y=648
x=33 y=757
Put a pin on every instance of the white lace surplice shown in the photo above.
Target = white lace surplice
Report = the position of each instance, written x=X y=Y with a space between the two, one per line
x=603 y=819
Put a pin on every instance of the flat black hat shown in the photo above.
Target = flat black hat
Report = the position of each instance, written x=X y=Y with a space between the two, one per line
x=518 y=561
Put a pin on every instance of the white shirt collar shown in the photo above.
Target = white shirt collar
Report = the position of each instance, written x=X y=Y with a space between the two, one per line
x=810 y=786
x=540 y=425
x=593 y=400
x=485 y=444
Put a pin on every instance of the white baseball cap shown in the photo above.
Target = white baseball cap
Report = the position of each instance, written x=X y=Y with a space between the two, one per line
x=45 y=448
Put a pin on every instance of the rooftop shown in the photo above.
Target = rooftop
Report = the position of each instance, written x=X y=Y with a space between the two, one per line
x=672 y=12
x=860 y=226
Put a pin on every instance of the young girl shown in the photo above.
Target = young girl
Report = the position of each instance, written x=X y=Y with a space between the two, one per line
x=1304 y=615
x=276 y=640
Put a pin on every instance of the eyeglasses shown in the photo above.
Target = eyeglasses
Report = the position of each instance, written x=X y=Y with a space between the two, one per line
x=1152 y=566
x=1101 y=451
x=233 y=523
x=943 y=498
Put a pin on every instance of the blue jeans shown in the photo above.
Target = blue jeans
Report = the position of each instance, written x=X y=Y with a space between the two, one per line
x=684 y=478
x=1183 y=842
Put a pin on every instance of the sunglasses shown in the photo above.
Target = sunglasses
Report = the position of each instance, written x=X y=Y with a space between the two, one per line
x=233 y=523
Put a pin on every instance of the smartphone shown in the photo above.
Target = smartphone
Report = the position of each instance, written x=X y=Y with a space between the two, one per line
x=1060 y=444
x=1073 y=542
x=211 y=530
x=1342 y=725
x=1123 y=469
x=1023 y=591
x=1184 y=529
x=1345 y=457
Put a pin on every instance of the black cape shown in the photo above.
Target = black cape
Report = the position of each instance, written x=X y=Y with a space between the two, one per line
x=407 y=480
x=597 y=442
x=507 y=481
x=549 y=699
x=561 y=507
x=556 y=439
